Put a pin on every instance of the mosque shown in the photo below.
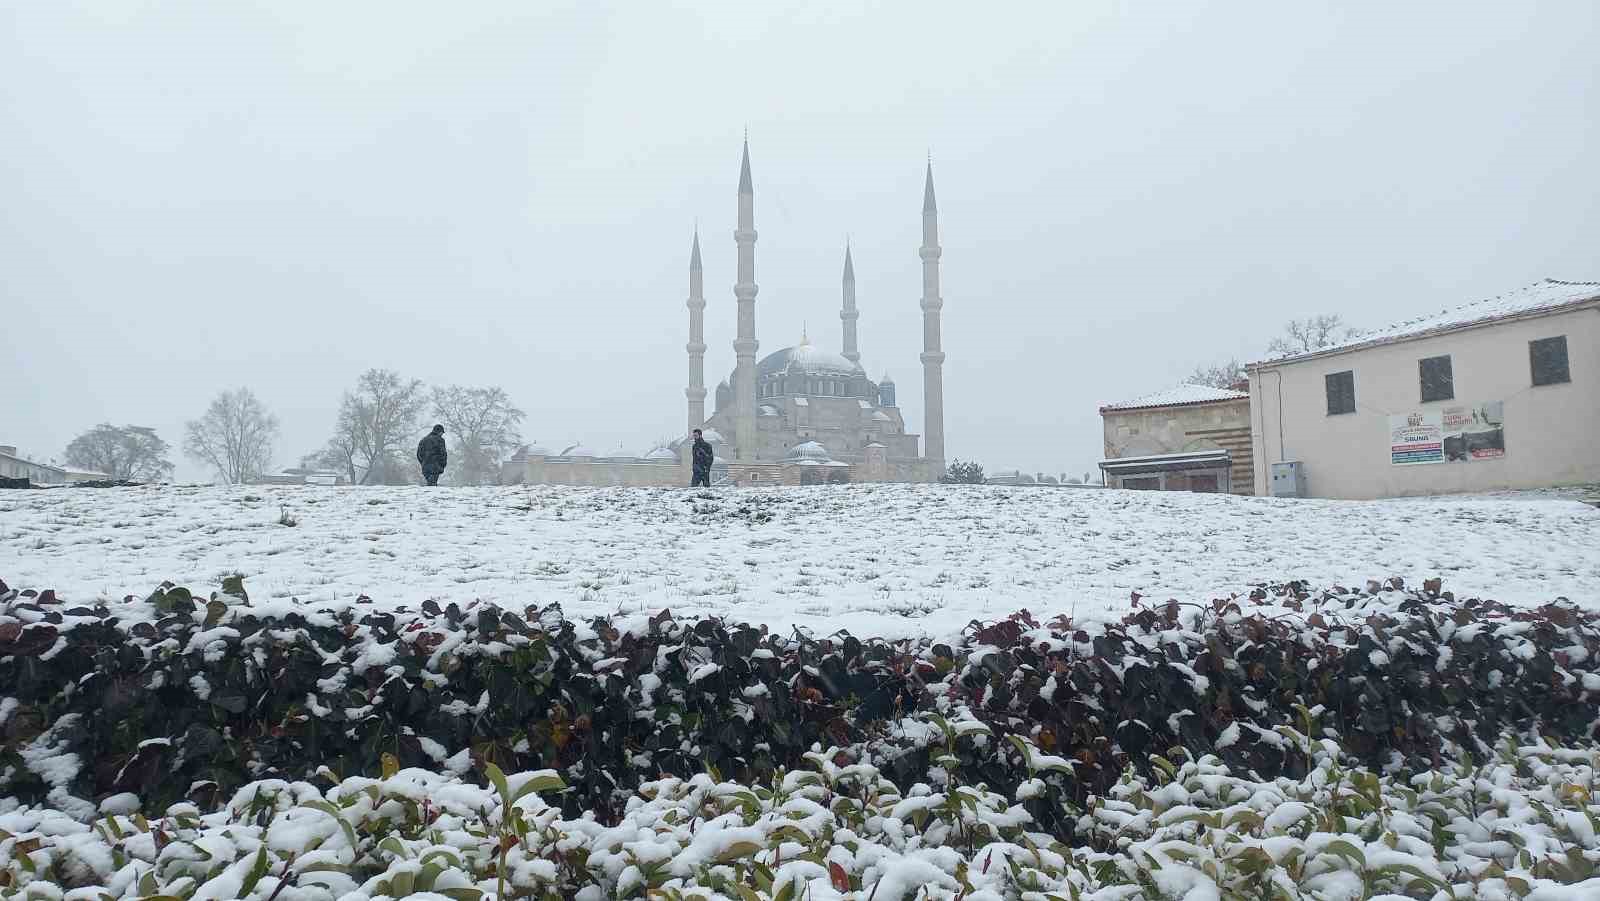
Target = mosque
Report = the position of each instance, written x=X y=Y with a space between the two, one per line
x=799 y=415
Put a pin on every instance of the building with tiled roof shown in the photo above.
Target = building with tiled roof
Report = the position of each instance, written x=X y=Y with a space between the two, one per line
x=1499 y=393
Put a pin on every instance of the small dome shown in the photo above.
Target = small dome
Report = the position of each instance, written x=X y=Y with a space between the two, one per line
x=880 y=416
x=661 y=455
x=807 y=452
x=536 y=450
x=579 y=450
x=713 y=436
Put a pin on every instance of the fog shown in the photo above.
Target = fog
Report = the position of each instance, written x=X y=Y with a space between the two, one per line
x=279 y=195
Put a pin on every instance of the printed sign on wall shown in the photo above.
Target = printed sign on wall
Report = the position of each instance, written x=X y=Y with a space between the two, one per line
x=1416 y=437
x=1459 y=433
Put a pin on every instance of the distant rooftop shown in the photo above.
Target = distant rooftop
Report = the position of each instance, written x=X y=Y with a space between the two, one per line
x=1546 y=296
x=1182 y=395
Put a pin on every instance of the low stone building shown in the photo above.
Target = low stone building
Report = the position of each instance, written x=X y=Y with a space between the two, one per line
x=15 y=466
x=1188 y=438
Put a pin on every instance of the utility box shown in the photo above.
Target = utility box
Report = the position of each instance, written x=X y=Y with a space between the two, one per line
x=1288 y=479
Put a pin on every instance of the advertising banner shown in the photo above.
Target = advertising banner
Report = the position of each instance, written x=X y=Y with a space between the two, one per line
x=1474 y=432
x=1460 y=433
x=1416 y=437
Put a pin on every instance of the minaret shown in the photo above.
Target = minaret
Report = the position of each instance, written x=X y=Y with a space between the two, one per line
x=932 y=355
x=696 y=392
x=849 y=315
x=745 y=344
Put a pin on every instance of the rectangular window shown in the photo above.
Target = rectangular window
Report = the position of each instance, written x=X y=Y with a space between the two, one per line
x=1548 y=357
x=1144 y=484
x=1437 y=381
x=1341 y=392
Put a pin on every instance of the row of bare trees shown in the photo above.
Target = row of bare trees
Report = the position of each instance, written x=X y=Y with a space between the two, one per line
x=383 y=417
x=1299 y=336
x=374 y=438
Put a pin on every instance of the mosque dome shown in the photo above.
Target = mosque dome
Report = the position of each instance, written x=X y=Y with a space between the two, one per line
x=537 y=450
x=579 y=450
x=808 y=360
x=807 y=452
x=661 y=455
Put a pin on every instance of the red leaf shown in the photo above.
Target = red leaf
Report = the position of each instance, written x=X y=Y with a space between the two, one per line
x=840 y=879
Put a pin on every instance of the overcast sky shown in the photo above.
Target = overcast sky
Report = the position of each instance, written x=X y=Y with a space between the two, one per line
x=198 y=196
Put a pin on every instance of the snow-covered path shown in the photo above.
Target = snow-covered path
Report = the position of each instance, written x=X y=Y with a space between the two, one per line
x=877 y=559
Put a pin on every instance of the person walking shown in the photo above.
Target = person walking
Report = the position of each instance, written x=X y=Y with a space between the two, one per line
x=432 y=455
x=703 y=457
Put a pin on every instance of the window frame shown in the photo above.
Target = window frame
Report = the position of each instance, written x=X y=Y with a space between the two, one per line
x=1533 y=361
x=1422 y=379
x=1328 y=395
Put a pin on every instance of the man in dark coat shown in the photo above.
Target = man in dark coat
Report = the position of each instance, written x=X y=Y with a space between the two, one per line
x=703 y=456
x=432 y=455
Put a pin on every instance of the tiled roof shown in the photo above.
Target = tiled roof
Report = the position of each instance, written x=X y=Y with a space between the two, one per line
x=1179 y=396
x=1544 y=296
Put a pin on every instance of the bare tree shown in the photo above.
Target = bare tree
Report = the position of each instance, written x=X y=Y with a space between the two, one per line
x=127 y=452
x=234 y=436
x=376 y=422
x=1301 y=336
x=481 y=424
x=1221 y=375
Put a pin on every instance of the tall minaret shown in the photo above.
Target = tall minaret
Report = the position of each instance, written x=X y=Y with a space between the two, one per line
x=745 y=344
x=696 y=392
x=932 y=355
x=849 y=315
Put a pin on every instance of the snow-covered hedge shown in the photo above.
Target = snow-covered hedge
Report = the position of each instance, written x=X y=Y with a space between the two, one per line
x=183 y=698
x=1520 y=826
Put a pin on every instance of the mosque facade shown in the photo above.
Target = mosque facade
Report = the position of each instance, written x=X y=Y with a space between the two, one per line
x=798 y=415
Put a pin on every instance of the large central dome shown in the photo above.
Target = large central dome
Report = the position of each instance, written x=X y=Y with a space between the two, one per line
x=807 y=359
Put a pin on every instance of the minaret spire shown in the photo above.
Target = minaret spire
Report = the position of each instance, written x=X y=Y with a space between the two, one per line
x=696 y=392
x=848 y=315
x=932 y=353
x=745 y=344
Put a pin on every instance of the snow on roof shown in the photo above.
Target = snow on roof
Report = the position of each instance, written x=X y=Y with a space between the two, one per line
x=1162 y=462
x=1179 y=396
x=1545 y=296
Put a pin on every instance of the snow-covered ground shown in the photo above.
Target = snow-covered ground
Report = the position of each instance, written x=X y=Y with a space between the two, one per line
x=876 y=559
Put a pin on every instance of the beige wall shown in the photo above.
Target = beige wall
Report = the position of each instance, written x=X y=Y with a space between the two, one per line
x=1552 y=432
x=39 y=473
x=1191 y=427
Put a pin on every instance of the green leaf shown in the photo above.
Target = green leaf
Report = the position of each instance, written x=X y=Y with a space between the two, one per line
x=1347 y=850
x=460 y=894
x=446 y=854
x=544 y=782
x=214 y=611
x=738 y=851
x=330 y=810
x=498 y=779
x=257 y=870
x=390 y=763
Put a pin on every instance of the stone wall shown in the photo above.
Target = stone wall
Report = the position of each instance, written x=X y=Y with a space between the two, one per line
x=1148 y=431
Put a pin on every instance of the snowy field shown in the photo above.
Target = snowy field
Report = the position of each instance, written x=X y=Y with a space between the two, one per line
x=876 y=559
